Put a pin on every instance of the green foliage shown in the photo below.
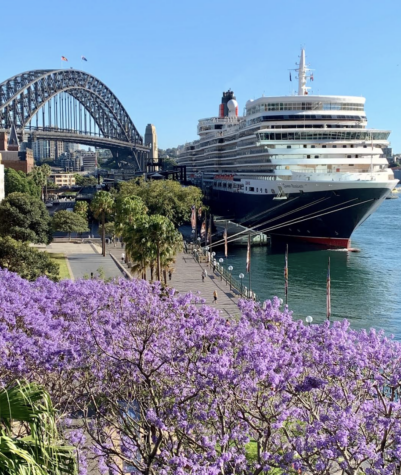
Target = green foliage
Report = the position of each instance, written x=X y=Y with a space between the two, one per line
x=25 y=218
x=26 y=261
x=165 y=197
x=29 y=443
x=69 y=222
x=127 y=211
x=102 y=205
x=19 y=182
x=152 y=241
x=81 y=208
x=109 y=229
x=85 y=180
x=40 y=174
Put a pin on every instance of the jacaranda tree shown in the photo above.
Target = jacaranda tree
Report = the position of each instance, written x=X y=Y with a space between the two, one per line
x=162 y=384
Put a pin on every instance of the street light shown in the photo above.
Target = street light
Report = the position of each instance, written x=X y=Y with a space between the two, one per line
x=230 y=268
x=212 y=254
x=309 y=319
x=221 y=260
x=241 y=276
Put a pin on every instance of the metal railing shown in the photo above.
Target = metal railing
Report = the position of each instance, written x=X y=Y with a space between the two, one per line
x=202 y=256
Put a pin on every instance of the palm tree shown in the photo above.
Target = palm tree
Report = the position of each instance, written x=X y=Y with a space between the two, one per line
x=137 y=246
x=28 y=437
x=164 y=237
x=102 y=204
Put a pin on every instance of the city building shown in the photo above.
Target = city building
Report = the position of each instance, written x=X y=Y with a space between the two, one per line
x=12 y=156
x=151 y=141
x=2 y=191
x=41 y=150
x=71 y=162
x=56 y=149
x=89 y=160
x=63 y=179
x=71 y=147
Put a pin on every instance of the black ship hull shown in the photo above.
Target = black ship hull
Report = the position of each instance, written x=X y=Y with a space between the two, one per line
x=326 y=218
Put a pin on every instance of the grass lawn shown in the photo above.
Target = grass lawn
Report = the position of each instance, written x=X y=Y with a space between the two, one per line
x=62 y=261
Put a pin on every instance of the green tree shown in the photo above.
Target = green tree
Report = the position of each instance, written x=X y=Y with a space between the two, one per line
x=85 y=180
x=82 y=208
x=69 y=222
x=28 y=262
x=152 y=241
x=29 y=442
x=138 y=248
x=19 y=182
x=25 y=218
x=102 y=205
x=40 y=175
x=166 y=197
x=127 y=211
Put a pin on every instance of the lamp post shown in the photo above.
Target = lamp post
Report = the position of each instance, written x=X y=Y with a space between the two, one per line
x=241 y=276
x=199 y=240
x=212 y=254
x=230 y=268
x=214 y=264
x=221 y=260
x=309 y=320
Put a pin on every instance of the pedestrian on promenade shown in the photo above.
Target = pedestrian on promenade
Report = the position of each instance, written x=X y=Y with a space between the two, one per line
x=204 y=274
x=169 y=275
x=123 y=257
x=215 y=296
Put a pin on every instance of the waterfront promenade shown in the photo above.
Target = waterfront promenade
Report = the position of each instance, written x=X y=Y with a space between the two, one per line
x=187 y=277
x=84 y=258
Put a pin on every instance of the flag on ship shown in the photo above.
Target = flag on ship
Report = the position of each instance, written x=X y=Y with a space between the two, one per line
x=248 y=255
x=328 y=299
x=83 y=58
x=311 y=77
x=286 y=275
x=63 y=58
x=193 y=217
x=225 y=241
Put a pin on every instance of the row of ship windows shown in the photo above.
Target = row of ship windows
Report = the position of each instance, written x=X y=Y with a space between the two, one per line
x=267 y=118
x=304 y=106
x=348 y=135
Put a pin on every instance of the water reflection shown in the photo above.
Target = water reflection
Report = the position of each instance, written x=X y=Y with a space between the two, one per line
x=365 y=286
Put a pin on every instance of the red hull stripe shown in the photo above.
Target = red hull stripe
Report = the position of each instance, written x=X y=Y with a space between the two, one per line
x=344 y=243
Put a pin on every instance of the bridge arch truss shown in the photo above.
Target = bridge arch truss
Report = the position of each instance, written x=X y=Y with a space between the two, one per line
x=24 y=95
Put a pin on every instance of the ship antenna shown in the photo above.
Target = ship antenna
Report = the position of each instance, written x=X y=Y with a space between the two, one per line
x=302 y=69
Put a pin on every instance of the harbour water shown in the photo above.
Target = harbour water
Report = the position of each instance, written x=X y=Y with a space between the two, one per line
x=365 y=285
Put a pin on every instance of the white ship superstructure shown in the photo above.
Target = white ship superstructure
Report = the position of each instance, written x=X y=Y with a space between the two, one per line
x=305 y=148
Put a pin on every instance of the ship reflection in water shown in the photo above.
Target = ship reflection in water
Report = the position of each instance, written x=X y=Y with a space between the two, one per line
x=365 y=286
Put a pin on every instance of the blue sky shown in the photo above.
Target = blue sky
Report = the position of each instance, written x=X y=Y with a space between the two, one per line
x=169 y=61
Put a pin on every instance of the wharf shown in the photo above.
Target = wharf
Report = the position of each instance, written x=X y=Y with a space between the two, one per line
x=187 y=277
x=85 y=257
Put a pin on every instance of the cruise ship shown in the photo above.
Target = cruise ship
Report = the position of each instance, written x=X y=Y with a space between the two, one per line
x=303 y=167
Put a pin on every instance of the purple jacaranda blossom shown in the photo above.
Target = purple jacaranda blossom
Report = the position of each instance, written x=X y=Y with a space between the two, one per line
x=158 y=383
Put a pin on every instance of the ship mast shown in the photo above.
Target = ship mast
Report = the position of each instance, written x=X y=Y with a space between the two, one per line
x=302 y=69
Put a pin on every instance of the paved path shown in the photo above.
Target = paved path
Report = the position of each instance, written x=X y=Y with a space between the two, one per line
x=187 y=277
x=84 y=258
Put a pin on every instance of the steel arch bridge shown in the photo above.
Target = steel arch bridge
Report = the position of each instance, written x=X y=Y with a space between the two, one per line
x=66 y=102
